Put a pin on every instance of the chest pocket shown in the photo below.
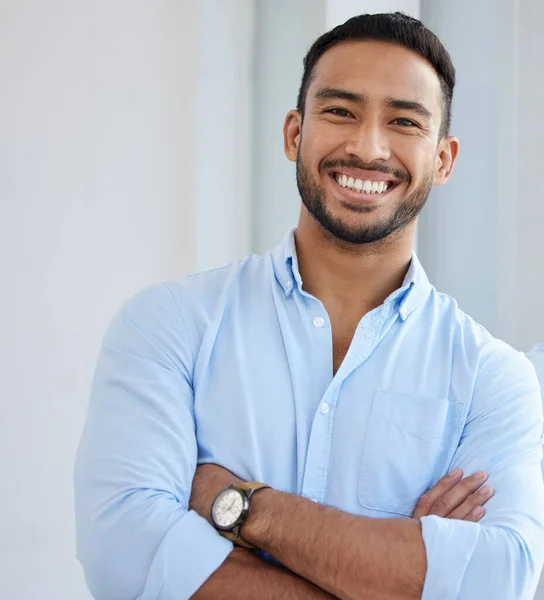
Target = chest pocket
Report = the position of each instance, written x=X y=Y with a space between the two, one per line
x=409 y=444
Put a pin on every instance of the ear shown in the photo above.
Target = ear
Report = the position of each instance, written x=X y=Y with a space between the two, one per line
x=448 y=148
x=292 y=130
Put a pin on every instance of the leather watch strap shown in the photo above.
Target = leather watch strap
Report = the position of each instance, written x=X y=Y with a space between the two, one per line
x=236 y=540
x=250 y=485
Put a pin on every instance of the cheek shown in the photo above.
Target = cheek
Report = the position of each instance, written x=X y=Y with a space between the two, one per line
x=417 y=158
x=310 y=159
x=319 y=142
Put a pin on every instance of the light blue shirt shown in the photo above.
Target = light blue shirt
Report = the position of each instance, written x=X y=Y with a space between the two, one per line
x=234 y=366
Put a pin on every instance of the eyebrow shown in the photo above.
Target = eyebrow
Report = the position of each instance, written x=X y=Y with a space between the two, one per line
x=324 y=94
x=412 y=105
x=339 y=94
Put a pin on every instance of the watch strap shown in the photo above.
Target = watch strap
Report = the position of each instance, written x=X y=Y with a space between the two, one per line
x=236 y=539
x=247 y=486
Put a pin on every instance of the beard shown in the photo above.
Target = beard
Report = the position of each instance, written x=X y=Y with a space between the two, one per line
x=313 y=195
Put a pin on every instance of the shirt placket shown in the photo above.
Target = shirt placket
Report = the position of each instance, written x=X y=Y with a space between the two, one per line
x=319 y=447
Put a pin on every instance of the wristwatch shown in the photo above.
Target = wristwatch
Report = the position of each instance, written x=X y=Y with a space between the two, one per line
x=232 y=507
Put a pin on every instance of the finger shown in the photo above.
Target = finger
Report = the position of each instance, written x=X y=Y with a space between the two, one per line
x=475 y=515
x=443 y=486
x=457 y=495
x=478 y=499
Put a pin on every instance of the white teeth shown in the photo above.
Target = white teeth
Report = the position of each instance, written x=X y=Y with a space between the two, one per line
x=367 y=186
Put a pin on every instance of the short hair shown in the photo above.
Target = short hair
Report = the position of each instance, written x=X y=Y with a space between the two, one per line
x=396 y=28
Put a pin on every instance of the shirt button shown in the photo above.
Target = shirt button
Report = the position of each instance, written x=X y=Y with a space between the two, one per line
x=319 y=322
x=324 y=408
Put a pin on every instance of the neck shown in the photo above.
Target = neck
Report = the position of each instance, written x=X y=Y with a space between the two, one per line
x=356 y=279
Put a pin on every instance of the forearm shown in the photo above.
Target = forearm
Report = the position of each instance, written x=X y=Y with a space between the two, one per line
x=244 y=576
x=351 y=557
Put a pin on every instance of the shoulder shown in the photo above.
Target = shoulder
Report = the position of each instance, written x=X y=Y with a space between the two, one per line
x=204 y=297
x=184 y=307
x=207 y=286
x=459 y=322
x=499 y=372
x=469 y=335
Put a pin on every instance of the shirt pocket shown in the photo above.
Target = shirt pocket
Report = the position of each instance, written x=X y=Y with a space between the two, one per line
x=409 y=444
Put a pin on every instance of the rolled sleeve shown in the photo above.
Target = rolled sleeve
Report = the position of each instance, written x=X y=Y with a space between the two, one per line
x=449 y=546
x=501 y=556
x=136 y=537
x=205 y=552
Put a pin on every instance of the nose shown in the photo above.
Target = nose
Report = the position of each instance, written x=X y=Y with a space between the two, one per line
x=368 y=142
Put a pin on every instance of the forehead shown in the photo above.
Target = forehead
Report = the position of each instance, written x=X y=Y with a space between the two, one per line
x=377 y=70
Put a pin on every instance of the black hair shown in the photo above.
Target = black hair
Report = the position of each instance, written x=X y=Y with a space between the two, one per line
x=396 y=28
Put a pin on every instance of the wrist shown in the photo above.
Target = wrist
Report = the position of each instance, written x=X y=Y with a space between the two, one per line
x=255 y=529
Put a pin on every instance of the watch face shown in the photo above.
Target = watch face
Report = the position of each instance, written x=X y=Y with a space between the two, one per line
x=228 y=508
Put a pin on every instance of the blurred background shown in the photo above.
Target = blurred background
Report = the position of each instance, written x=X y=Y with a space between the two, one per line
x=141 y=140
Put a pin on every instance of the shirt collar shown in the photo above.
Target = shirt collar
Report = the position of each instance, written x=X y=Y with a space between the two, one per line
x=413 y=292
x=284 y=259
x=414 y=289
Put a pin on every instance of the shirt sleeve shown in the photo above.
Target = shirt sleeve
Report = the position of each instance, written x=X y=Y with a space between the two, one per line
x=501 y=556
x=136 y=537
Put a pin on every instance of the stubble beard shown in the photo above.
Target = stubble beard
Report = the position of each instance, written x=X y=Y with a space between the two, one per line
x=312 y=196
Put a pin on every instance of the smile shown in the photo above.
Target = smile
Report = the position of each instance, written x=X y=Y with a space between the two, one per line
x=371 y=188
x=363 y=186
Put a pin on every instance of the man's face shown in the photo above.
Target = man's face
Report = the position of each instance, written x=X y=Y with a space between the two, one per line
x=368 y=150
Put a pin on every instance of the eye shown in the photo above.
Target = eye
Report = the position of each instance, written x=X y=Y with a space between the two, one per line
x=339 y=112
x=405 y=122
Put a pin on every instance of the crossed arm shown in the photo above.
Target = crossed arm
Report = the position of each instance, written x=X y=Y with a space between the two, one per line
x=290 y=528
x=353 y=557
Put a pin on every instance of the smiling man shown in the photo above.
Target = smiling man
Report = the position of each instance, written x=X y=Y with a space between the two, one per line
x=320 y=422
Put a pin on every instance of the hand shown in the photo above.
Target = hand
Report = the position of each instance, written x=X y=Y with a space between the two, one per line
x=456 y=498
x=208 y=481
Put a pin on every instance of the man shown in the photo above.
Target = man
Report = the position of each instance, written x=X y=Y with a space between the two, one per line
x=329 y=370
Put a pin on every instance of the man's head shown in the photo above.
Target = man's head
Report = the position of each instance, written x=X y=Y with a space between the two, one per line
x=395 y=28
x=374 y=106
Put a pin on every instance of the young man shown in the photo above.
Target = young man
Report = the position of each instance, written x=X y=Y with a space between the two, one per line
x=329 y=370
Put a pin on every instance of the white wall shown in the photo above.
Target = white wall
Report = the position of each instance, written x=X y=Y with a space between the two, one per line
x=284 y=31
x=339 y=11
x=96 y=186
x=529 y=285
x=481 y=235
x=224 y=111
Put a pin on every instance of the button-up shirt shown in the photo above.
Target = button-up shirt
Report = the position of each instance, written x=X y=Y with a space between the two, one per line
x=235 y=367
